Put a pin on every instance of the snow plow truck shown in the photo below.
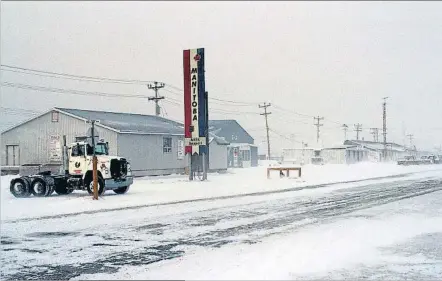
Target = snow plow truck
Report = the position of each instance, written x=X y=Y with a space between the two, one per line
x=113 y=172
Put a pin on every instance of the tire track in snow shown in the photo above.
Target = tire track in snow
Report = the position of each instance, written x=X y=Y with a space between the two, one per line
x=267 y=218
x=205 y=199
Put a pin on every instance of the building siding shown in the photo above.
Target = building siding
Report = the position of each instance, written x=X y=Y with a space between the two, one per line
x=254 y=156
x=146 y=157
x=217 y=156
x=334 y=156
x=33 y=137
x=298 y=156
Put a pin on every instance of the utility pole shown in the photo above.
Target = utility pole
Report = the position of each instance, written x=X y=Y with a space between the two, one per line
x=375 y=133
x=358 y=128
x=384 y=122
x=345 y=128
x=412 y=150
x=318 y=125
x=410 y=137
x=156 y=86
x=293 y=139
x=265 y=105
x=94 y=162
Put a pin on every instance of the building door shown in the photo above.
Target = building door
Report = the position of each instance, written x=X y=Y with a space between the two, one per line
x=12 y=155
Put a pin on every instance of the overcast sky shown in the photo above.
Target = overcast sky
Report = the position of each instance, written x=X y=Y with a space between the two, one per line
x=335 y=60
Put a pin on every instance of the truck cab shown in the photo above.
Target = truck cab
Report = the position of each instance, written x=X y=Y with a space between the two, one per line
x=80 y=156
x=113 y=172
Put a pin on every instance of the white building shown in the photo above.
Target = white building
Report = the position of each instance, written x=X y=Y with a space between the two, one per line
x=346 y=154
x=393 y=151
x=153 y=145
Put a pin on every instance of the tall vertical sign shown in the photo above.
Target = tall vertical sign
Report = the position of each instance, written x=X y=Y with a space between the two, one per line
x=195 y=98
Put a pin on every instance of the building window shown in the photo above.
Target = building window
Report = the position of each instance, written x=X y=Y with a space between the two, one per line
x=167 y=145
x=55 y=116
x=245 y=155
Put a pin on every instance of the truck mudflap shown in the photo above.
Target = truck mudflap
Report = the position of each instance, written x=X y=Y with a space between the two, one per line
x=110 y=184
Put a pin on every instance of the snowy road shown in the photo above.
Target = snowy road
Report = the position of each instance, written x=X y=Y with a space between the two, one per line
x=68 y=246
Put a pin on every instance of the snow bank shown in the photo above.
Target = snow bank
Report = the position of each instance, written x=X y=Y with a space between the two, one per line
x=154 y=190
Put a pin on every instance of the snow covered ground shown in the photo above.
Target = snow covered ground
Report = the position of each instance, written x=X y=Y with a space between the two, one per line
x=398 y=241
x=158 y=190
x=380 y=221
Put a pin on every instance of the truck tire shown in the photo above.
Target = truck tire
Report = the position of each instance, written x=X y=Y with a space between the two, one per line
x=20 y=187
x=50 y=184
x=50 y=190
x=122 y=190
x=89 y=183
x=39 y=187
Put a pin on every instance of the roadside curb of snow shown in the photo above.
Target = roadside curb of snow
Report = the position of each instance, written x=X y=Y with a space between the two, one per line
x=205 y=199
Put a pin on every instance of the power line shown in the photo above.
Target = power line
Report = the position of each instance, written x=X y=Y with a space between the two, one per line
x=216 y=110
x=71 y=76
x=52 y=74
x=19 y=110
x=230 y=102
x=303 y=115
x=217 y=101
x=102 y=94
x=293 y=112
x=284 y=137
x=265 y=114
x=68 y=91
x=60 y=75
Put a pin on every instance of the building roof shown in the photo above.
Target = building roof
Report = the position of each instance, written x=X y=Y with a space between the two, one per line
x=125 y=123
x=231 y=130
x=129 y=123
x=242 y=144
x=377 y=145
x=303 y=148
x=341 y=147
x=218 y=140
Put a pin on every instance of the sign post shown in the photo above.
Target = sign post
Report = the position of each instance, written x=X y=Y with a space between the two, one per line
x=93 y=135
x=195 y=112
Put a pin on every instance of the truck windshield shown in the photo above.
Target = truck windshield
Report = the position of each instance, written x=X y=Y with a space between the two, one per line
x=77 y=150
x=100 y=149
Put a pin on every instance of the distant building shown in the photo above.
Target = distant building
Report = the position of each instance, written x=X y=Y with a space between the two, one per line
x=393 y=151
x=242 y=152
x=346 y=154
x=153 y=145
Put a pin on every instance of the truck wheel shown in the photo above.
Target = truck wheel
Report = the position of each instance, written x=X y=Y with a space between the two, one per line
x=20 y=188
x=39 y=187
x=51 y=190
x=122 y=190
x=50 y=185
x=90 y=186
